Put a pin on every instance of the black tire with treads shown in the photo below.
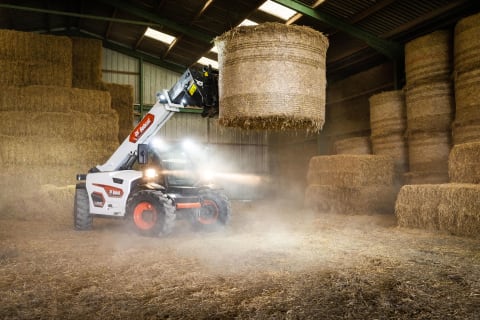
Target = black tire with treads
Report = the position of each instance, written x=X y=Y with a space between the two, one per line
x=150 y=213
x=82 y=219
x=215 y=212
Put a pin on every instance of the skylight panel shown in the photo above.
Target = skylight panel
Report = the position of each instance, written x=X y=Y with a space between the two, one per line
x=277 y=10
x=160 y=36
x=208 y=62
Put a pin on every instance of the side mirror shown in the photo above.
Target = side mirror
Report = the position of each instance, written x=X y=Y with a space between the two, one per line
x=142 y=153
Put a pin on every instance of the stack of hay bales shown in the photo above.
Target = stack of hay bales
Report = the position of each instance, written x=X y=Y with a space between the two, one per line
x=351 y=184
x=49 y=133
x=430 y=106
x=388 y=124
x=122 y=102
x=355 y=145
x=454 y=207
x=264 y=97
x=466 y=127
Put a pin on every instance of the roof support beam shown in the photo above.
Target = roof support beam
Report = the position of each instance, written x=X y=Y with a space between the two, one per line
x=156 y=19
x=389 y=48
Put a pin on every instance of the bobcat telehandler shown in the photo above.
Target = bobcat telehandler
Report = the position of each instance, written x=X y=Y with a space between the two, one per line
x=152 y=199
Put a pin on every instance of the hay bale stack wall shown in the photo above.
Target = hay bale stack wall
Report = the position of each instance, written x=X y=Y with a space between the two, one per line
x=351 y=184
x=87 y=63
x=388 y=125
x=49 y=133
x=271 y=100
x=122 y=102
x=451 y=207
x=33 y=59
x=356 y=145
x=430 y=106
x=467 y=80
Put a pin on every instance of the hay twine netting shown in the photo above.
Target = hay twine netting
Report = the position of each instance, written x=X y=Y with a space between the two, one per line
x=430 y=106
x=387 y=113
x=464 y=163
x=467 y=44
x=429 y=58
x=355 y=145
x=272 y=76
x=450 y=207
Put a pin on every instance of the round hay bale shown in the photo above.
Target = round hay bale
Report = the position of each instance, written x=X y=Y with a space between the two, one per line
x=467 y=44
x=395 y=146
x=466 y=132
x=425 y=177
x=449 y=207
x=356 y=145
x=429 y=58
x=464 y=163
x=272 y=76
x=387 y=113
x=467 y=96
x=350 y=170
x=351 y=200
x=428 y=151
x=430 y=106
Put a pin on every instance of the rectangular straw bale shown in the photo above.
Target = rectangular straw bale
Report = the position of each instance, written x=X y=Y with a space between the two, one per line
x=22 y=151
x=87 y=63
x=26 y=73
x=53 y=99
x=464 y=163
x=452 y=207
x=351 y=200
x=122 y=102
x=68 y=126
x=26 y=177
x=34 y=47
x=351 y=170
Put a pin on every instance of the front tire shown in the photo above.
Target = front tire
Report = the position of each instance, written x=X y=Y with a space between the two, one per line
x=150 y=213
x=215 y=211
x=82 y=219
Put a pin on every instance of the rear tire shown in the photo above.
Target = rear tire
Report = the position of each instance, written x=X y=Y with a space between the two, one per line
x=150 y=213
x=82 y=219
x=215 y=211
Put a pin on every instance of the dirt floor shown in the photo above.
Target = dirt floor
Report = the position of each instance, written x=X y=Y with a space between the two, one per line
x=272 y=262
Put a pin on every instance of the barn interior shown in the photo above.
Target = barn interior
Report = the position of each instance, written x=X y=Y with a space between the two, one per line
x=374 y=213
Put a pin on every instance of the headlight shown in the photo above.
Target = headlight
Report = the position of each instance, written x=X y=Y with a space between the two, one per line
x=150 y=173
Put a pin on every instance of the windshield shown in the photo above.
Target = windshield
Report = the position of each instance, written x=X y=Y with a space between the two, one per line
x=176 y=166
